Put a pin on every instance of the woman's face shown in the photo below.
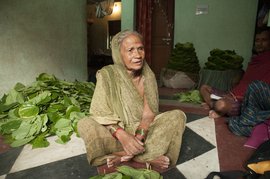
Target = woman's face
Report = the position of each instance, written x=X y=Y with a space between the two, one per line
x=132 y=53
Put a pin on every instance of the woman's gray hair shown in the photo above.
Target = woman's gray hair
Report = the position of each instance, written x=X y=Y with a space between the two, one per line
x=125 y=33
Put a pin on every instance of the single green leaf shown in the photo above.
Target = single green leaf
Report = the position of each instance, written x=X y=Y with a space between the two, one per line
x=14 y=97
x=62 y=123
x=13 y=113
x=10 y=126
x=54 y=116
x=46 y=77
x=40 y=141
x=134 y=173
x=71 y=109
x=21 y=142
x=19 y=87
x=22 y=131
x=36 y=126
x=56 y=107
x=28 y=110
x=4 y=108
x=42 y=98
x=44 y=119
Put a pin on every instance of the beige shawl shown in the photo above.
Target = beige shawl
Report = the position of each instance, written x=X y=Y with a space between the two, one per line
x=116 y=100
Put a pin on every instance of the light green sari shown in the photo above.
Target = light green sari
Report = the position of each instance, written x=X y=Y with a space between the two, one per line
x=117 y=101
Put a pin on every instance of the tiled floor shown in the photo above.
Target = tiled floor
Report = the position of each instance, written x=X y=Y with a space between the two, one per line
x=207 y=146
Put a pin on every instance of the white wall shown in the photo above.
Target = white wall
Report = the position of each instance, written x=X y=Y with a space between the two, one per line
x=42 y=36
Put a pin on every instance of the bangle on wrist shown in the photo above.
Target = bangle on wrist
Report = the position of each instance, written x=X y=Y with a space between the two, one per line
x=141 y=133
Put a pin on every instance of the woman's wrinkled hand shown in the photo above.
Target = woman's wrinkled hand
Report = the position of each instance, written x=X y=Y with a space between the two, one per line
x=130 y=143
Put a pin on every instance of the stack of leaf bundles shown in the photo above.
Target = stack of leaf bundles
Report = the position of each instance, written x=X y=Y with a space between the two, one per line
x=184 y=58
x=224 y=60
x=49 y=106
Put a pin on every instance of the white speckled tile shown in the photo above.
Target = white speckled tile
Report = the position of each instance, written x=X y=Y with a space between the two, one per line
x=29 y=157
x=201 y=166
x=205 y=127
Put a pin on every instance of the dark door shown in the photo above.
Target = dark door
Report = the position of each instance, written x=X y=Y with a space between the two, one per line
x=162 y=34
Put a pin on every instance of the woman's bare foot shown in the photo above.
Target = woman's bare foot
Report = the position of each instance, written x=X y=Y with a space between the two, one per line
x=116 y=159
x=213 y=114
x=162 y=162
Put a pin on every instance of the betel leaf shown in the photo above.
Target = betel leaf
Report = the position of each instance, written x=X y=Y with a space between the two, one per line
x=114 y=175
x=44 y=119
x=45 y=77
x=3 y=116
x=192 y=96
x=64 y=134
x=63 y=130
x=138 y=173
x=10 y=126
x=64 y=138
x=56 y=107
x=42 y=98
x=54 y=116
x=40 y=141
x=47 y=105
x=19 y=87
x=21 y=142
x=28 y=110
x=14 y=97
x=71 y=109
x=130 y=171
x=36 y=126
x=22 y=131
x=13 y=113
x=4 y=107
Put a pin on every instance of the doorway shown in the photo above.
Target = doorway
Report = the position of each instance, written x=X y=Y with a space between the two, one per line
x=100 y=29
x=155 y=21
x=162 y=34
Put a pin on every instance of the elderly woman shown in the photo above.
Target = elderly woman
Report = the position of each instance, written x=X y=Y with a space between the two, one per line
x=124 y=122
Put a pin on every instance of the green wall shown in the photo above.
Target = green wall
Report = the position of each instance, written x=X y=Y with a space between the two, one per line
x=229 y=24
x=42 y=36
x=127 y=17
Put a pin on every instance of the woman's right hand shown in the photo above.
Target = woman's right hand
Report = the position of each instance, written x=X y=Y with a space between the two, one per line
x=130 y=143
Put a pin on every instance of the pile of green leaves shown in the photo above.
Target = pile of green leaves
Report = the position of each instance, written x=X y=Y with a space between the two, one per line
x=224 y=60
x=126 y=172
x=49 y=106
x=192 y=96
x=184 y=58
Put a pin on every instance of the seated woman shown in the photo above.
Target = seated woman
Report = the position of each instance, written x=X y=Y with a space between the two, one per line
x=255 y=109
x=258 y=69
x=124 y=122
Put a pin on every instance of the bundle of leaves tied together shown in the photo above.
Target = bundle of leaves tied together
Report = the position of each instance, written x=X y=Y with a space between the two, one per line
x=49 y=106
x=224 y=60
x=184 y=58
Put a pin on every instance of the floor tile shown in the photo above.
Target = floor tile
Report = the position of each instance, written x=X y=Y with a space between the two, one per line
x=173 y=173
x=71 y=168
x=205 y=127
x=192 y=117
x=29 y=157
x=8 y=158
x=199 y=167
x=193 y=145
